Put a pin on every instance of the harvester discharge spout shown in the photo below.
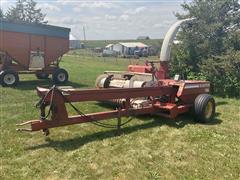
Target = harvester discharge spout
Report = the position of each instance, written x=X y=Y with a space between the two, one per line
x=169 y=38
x=165 y=53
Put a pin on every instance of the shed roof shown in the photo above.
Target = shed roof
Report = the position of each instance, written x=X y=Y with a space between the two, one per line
x=109 y=45
x=134 y=44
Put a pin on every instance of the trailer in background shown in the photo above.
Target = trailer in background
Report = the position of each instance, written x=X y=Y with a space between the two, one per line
x=32 y=49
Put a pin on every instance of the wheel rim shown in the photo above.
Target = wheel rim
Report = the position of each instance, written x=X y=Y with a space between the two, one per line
x=61 y=77
x=9 y=79
x=208 y=110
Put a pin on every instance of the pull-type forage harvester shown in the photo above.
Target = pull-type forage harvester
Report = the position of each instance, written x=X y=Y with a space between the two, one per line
x=141 y=90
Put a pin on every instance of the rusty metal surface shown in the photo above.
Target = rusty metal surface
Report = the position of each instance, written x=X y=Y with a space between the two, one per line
x=19 y=46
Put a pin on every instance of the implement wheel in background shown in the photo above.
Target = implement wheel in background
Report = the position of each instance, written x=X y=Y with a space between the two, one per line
x=9 y=78
x=60 y=76
x=204 y=107
x=42 y=75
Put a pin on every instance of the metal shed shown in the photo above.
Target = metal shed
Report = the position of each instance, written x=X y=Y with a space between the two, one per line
x=128 y=48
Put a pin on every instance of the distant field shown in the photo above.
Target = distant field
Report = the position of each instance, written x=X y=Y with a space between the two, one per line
x=151 y=147
x=103 y=43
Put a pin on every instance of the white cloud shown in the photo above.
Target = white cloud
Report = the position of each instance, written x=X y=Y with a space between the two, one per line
x=114 y=28
x=64 y=21
x=65 y=2
x=110 y=17
x=86 y=4
x=80 y=6
x=137 y=10
x=48 y=7
x=77 y=9
x=124 y=17
x=158 y=25
x=5 y=4
x=97 y=18
x=140 y=9
x=99 y=4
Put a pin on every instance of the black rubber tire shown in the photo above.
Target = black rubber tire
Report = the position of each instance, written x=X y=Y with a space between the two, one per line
x=6 y=81
x=42 y=75
x=60 y=76
x=200 y=105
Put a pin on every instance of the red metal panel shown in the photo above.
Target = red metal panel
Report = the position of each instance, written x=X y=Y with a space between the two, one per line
x=108 y=94
x=19 y=45
x=139 y=68
x=55 y=47
x=37 y=42
x=16 y=45
x=189 y=90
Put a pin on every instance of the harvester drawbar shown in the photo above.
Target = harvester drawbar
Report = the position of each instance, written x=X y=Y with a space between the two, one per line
x=141 y=90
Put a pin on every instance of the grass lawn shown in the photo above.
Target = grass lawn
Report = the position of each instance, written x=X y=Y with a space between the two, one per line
x=150 y=147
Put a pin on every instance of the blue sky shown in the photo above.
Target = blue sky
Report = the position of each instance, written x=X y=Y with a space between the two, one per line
x=115 y=19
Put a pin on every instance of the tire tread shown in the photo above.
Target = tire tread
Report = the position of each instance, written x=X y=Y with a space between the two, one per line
x=199 y=107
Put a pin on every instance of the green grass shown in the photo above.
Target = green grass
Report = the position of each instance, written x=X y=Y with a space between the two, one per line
x=150 y=147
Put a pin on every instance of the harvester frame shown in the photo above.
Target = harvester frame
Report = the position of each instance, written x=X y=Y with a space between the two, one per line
x=142 y=90
x=181 y=97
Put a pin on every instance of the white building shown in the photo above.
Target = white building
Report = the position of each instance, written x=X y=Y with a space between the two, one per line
x=128 y=48
x=109 y=47
x=74 y=43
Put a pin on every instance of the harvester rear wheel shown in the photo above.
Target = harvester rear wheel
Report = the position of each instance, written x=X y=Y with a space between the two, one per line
x=204 y=107
x=9 y=78
x=60 y=76
x=42 y=75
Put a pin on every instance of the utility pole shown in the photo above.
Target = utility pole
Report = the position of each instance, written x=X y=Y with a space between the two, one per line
x=84 y=33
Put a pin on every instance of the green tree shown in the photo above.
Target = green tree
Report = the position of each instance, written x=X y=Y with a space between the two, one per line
x=34 y=14
x=25 y=11
x=209 y=41
x=17 y=12
x=1 y=14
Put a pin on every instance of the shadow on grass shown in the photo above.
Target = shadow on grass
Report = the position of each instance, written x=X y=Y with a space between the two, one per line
x=220 y=103
x=74 y=143
x=108 y=104
x=32 y=84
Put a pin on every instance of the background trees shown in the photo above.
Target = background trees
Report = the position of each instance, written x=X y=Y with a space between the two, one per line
x=25 y=11
x=211 y=44
x=1 y=13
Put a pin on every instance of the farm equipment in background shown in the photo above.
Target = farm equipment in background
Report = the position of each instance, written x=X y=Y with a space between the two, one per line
x=32 y=49
x=142 y=90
